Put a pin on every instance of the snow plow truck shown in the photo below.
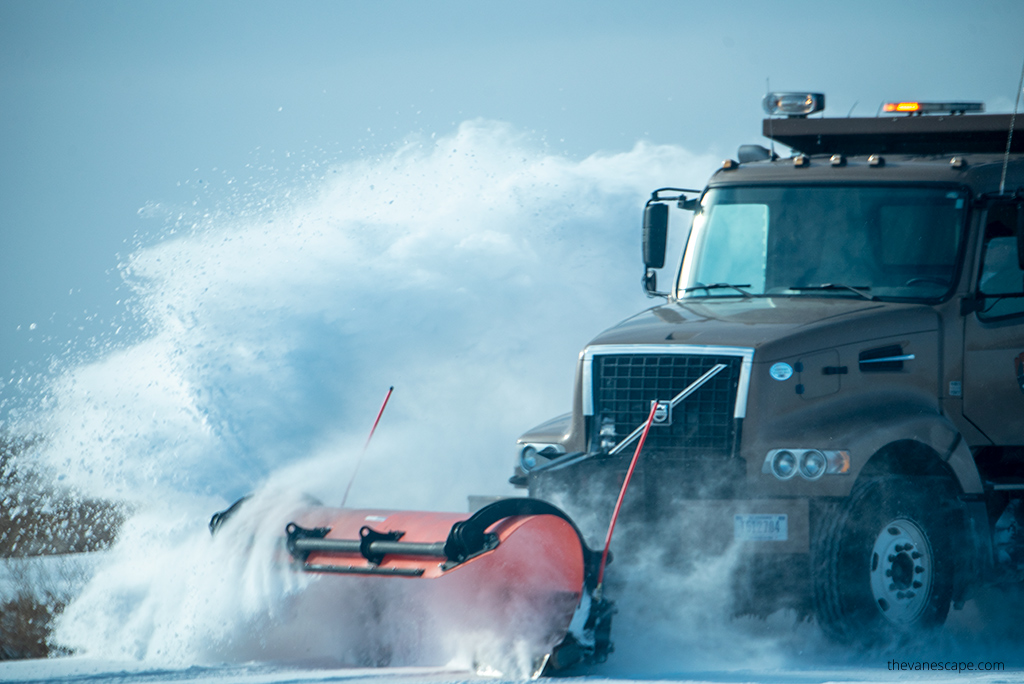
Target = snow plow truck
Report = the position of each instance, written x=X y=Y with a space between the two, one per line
x=836 y=371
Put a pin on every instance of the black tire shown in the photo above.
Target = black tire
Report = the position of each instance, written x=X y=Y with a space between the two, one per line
x=882 y=562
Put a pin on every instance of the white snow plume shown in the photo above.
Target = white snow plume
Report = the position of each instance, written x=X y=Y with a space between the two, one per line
x=466 y=271
x=674 y=586
x=675 y=621
x=171 y=593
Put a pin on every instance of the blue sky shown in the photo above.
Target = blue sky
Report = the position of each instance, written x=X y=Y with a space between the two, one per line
x=109 y=107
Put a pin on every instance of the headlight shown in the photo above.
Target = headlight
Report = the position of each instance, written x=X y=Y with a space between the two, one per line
x=784 y=464
x=528 y=458
x=532 y=455
x=812 y=464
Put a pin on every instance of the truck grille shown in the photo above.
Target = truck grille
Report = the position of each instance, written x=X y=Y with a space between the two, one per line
x=702 y=426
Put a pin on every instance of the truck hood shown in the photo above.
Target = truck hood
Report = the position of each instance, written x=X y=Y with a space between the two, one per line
x=773 y=326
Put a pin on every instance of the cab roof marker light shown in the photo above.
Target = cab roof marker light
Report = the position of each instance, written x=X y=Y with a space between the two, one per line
x=793 y=104
x=901 y=107
x=837 y=160
x=730 y=165
x=932 y=107
x=801 y=161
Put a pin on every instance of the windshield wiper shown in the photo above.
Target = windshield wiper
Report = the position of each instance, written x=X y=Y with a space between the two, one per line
x=719 y=286
x=856 y=289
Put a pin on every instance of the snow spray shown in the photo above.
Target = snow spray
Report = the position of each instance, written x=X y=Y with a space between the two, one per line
x=469 y=268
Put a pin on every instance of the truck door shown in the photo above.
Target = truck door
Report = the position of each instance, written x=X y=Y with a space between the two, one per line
x=993 y=382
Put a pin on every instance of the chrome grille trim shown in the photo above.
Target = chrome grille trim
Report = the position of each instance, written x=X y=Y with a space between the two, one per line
x=742 y=391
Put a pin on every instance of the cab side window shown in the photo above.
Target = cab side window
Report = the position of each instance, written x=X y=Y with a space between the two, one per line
x=1002 y=279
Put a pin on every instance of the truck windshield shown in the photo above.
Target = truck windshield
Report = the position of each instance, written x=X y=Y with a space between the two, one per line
x=861 y=241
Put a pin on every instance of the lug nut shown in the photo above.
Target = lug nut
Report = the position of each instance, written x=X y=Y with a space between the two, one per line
x=917 y=585
x=888 y=573
x=918 y=569
x=915 y=555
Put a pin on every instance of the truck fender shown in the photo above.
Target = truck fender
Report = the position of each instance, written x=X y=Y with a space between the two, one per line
x=933 y=431
x=961 y=462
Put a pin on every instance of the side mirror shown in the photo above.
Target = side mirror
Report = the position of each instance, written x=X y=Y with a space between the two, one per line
x=655 y=236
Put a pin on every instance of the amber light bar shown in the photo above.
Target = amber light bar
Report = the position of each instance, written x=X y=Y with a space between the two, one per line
x=933 y=107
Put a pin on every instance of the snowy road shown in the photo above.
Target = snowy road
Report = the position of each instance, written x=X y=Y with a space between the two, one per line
x=95 y=671
x=69 y=670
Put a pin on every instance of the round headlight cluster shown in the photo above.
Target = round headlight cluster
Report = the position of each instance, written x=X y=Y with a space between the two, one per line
x=786 y=463
x=535 y=455
x=813 y=464
x=528 y=458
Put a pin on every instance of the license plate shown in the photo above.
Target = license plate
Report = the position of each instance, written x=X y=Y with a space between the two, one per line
x=761 y=527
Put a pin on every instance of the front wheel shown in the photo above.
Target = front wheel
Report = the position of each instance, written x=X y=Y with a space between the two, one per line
x=882 y=559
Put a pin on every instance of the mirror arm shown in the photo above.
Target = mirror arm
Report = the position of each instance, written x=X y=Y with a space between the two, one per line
x=678 y=194
x=650 y=284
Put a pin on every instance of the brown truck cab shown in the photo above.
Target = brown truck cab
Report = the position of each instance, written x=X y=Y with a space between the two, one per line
x=838 y=365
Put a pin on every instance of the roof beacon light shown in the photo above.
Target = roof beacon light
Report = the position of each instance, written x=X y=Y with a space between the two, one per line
x=933 y=107
x=793 y=104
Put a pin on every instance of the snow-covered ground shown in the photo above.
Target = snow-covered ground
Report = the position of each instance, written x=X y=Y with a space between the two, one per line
x=88 y=670
x=97 y=672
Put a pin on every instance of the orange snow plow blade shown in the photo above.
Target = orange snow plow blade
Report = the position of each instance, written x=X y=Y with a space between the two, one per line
x=518 y=568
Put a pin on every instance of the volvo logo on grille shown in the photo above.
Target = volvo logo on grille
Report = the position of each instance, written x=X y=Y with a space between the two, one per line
x=663 y=414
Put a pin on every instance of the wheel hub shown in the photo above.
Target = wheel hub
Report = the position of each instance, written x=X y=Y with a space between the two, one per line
x=901 y=571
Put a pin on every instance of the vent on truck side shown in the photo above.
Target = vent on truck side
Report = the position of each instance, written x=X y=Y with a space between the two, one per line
x=888 y=359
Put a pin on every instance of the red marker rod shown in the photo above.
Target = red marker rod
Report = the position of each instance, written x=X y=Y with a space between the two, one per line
x=618 y=504
x=367 y=445
x=377 y=420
